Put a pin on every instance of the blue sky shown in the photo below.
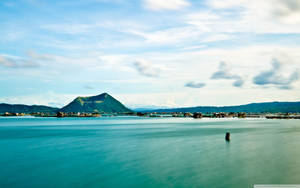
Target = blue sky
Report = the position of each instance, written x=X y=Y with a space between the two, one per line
x=150 y=52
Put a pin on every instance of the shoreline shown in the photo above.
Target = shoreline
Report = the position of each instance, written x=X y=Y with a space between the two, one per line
x=160 y=115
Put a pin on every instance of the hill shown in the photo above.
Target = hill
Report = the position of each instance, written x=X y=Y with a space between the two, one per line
x=266 y=107
x=103 y=103
x=21 y=108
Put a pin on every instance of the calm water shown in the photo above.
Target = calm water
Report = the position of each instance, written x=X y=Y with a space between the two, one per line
x=145 y=152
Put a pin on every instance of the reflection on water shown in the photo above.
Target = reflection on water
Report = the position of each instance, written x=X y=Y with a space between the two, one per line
x=148 y=152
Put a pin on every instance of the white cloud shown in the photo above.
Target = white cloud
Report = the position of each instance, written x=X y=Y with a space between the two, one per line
x=17 y=62
x=147 y=69
x=92 y=60
x=217 y=37
x=275 y=78
x=287 y=11
x=194 y=84
x=256 y=16
x=196 y=47
x=224 y=73
x=165 y=4
x=224 y=4
x=169 y=36
x=181 y=36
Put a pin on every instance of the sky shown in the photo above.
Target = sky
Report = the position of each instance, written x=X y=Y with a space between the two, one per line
x=150 y=53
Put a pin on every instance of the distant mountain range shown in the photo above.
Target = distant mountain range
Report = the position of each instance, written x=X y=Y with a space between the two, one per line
x=271 y=107
x=21 y=108
x=104 y=103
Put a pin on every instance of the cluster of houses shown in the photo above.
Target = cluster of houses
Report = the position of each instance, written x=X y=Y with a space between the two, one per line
x=13 y=114
x=222 y=115
x=58 y=114
x=283 y=116
x=195 y=115
x=198 y=115
x=78 y=114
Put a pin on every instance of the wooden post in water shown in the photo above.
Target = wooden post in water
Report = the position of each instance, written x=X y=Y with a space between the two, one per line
x=227 y=136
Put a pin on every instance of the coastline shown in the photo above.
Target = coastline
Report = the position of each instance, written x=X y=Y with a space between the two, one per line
x=196 y=115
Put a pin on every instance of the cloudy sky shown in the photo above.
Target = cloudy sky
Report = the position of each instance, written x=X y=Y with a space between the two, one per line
x=165 y=53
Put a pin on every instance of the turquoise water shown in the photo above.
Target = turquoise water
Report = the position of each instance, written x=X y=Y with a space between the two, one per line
x=148 y=152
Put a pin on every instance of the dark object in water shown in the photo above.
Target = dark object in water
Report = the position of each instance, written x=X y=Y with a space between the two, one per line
x=227 y=136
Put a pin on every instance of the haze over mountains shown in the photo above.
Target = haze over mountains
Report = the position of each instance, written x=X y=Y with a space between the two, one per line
x=105 y=103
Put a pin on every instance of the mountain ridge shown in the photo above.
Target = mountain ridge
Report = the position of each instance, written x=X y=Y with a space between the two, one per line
x=22 y=108
x=262 y=107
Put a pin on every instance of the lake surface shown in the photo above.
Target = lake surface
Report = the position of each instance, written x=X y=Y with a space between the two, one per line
x=148 y=152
